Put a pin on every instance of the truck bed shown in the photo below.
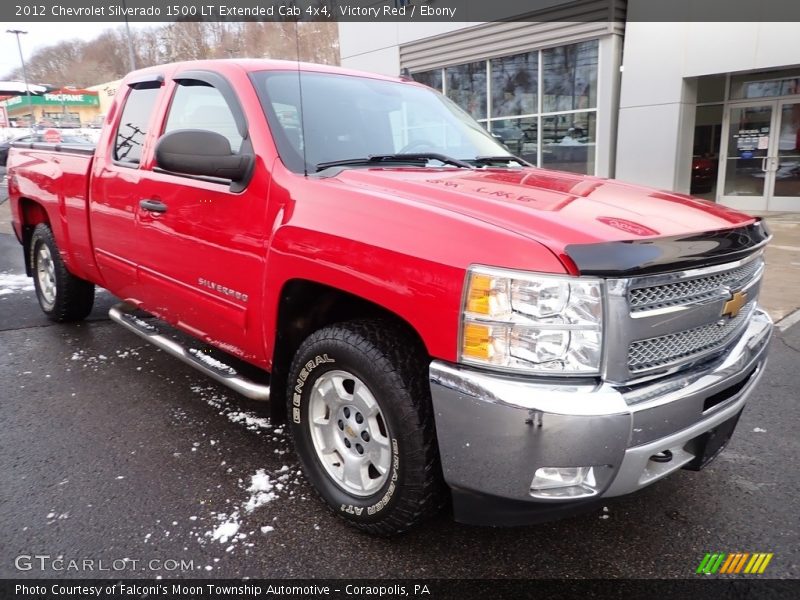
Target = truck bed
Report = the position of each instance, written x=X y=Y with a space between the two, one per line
x=86 y=149
x=57 y=176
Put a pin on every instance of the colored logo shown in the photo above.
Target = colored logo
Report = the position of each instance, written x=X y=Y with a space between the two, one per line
x=734 y=305
x=734 y=563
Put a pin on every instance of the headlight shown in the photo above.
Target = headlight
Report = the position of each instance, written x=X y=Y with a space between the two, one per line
x=531 y=323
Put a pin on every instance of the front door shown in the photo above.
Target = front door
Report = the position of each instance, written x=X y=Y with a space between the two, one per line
x=786 y=158
x=761 y=149
x=747 y=135
x=201 y=254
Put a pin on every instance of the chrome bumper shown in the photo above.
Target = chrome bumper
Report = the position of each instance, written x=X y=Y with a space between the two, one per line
x=494 y=432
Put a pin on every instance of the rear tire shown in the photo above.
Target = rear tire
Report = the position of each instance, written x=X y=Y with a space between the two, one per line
x=360 y=416
x=62 y=296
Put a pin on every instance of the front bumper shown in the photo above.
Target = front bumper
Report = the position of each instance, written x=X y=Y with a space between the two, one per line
x=494 y=431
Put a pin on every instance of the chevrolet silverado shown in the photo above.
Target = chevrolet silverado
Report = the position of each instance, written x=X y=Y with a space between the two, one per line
x=437 y=320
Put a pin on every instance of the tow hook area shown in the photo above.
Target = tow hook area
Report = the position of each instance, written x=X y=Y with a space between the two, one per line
x=662 y=457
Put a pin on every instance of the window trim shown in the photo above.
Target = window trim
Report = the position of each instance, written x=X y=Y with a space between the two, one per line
x=135 y=86
x=282 y=144
x=148 y=81
x=220 y=83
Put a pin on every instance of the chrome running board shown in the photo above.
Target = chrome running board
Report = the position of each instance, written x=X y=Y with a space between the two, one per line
x=122 y=313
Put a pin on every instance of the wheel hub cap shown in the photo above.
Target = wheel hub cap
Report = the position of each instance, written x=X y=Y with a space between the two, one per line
x=349 y=433
x=46 y=275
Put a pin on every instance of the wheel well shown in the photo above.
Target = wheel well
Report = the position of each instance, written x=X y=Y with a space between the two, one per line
x=31 y=213
x=306 y=306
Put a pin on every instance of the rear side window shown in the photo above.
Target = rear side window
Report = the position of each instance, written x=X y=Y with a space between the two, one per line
x=133 y=124
x=197 y=105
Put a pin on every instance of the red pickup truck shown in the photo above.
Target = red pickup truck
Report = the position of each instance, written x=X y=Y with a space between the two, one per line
x=439 y=321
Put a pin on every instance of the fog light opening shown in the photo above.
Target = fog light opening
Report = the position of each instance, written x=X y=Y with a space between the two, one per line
x=569 y=482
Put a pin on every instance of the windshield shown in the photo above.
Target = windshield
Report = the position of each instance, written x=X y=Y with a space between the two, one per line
x=345 y=117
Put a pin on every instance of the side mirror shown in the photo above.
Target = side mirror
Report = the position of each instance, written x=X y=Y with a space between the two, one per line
x=201 y=152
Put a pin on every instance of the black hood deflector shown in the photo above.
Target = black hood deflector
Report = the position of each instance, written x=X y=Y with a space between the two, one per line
x=659 y=255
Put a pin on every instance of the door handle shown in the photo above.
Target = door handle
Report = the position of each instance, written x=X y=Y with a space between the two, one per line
x=770 y=163
x=153 y=206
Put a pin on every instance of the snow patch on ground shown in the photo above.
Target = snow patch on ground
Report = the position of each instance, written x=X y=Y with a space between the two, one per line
x=227 y=529
x=759 y=430
x=250 y=420
x=261 y=490
x=94 y=363
x=236 y=523
x=14 y=283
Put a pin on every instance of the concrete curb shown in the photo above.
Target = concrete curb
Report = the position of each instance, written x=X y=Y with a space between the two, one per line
x=789 y=320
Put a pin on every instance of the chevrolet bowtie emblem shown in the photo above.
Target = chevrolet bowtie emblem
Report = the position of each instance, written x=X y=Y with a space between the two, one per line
x=734 y=305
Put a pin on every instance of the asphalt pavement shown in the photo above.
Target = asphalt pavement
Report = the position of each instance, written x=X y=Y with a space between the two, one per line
x=112 y=451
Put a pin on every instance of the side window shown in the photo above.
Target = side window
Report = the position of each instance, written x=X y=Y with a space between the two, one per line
x=200 y=106
x=133 y=123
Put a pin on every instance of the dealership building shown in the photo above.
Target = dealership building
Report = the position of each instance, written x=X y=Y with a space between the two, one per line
x=591 y=86
x=68 y=107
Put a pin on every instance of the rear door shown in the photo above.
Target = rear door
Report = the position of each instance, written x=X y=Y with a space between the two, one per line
x=201 y=252
x=116 y=179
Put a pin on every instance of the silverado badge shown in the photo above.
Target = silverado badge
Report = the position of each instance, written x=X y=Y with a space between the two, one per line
x=734 y=305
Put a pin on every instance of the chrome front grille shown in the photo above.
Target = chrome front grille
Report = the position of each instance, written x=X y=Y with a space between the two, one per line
x=666 y=350
x=658 y=324
x=692 y=290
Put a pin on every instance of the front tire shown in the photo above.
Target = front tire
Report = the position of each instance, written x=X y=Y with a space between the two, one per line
x=62 y=296
x=361 y=420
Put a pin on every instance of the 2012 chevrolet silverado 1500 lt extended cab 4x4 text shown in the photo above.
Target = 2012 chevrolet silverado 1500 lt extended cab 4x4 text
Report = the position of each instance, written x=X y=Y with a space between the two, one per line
x=439 y=321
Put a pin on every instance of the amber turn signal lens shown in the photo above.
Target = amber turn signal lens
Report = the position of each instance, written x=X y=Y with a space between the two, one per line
x=479 y=293
x=476 y=341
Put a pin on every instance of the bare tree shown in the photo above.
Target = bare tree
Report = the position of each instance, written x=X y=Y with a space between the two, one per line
x=84 y=63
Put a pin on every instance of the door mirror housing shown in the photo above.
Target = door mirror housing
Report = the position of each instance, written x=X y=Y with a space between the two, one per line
x=201 y=153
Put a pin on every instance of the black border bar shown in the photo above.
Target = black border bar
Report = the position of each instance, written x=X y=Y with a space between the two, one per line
x=697 y=586
x=407 y=11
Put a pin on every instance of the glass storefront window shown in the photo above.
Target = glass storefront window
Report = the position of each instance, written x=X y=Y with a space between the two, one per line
x=748 y=143
x=570 y=77
x=520 y=136
x=514 y=85
x=787 y=176
x=785 y=82
x=568 y=142
x=467 y=87
x=705 y=154
x=520 y=95
x=432 y=78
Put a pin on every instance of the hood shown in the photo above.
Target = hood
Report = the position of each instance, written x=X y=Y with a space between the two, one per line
x=554 y=208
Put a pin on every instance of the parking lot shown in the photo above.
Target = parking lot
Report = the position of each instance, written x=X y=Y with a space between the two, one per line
x=112 y=451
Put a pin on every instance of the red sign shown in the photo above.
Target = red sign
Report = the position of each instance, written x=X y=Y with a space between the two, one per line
x=52 y=136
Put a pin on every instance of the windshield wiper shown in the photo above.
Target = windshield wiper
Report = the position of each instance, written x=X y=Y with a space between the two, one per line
x=504 y=159
x=374 y=159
